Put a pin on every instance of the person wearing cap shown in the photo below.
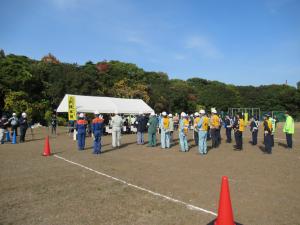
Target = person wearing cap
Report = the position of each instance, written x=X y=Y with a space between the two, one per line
x=183 y=132
x=171 y=127
x=254 y=124
x=14 y=122
x=165 y=131
x=23 y=126
x=267 y=134
x=289 y=129
x=202 y=126
x=228 y=126
x=97 y=129
x=214 y=126
x=239 y=127
x=117 y=124
x=152 y=127
x=140 y=124
x=81 y=125
x=196 y=121
x=273 y=121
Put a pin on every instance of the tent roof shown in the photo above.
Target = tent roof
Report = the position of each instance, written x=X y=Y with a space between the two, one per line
x=90 y=104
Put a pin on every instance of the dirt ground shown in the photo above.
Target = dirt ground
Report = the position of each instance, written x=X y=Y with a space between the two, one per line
x=265 y=189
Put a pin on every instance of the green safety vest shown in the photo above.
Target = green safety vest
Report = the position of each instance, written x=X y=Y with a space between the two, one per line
x=273 y=121
x=289 y=126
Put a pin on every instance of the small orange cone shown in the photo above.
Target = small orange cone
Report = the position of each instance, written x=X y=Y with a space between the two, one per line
x=225 y=214
x=47 y=151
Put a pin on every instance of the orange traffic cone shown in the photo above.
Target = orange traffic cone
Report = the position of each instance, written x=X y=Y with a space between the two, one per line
x=47 y=151
x=225 y=214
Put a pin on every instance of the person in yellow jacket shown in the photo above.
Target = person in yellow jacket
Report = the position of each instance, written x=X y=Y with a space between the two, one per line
x=196 y=121
x=165 y=131
x=183 y=132
x=239 y=127
x=289 y=129
x=202 y=132
x=214 y=127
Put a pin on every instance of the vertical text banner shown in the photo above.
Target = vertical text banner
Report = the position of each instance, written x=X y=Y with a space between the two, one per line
x=72 y=107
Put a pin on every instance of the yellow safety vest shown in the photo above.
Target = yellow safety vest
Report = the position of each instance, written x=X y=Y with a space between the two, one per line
x=205 y=123
x=166 y=123
x=241 y=125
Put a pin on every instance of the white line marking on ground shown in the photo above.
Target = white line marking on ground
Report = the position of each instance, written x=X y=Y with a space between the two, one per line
x=189 y=206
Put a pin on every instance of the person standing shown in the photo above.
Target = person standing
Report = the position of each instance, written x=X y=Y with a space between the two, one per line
x=202 y=132
x=171 y=127
x=196 y=134
x=289 y=129
x=23 y=126
x=97 y=129
x=165 y=131
x=3 y=126
x=254 y=124
x=228 y=126
x=176 y=121
x=14 y=122
x=214 y=126
x=81 y=125
x=152 y=127
x=140 y=124
x=53 y=123
x=267 y=134
x=273 y=121
x=239 y=128
x=183 y=132
x=116 y=123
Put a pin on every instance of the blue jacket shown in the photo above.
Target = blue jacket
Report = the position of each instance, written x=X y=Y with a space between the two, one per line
x=97 y=125
x=81 y=126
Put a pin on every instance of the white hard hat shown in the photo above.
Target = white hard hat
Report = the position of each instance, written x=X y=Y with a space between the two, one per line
x=101 y=116
x=196 y=114
x=202 y=111
x=164 y=113
x=14 y=114
x=24 y=114
x=96 y=112
x=183 y=114
x=170 y=115
x=213 y=110
x=81 y=115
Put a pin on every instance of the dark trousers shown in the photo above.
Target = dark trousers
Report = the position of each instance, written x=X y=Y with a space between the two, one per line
x=289 y=140
x=268 y=143
x=81 y=140
x=196 y=137
x=22 y=133
x=214 y=138
x=272 y=140
x=239 y=140
x=53 y=129
x=97 y=143
x=218 y=136
x=14 y=129
x=254 y=137
x=208 y=134
x=228 y=135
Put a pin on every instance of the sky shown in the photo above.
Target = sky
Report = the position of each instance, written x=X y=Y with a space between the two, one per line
x=241 y=42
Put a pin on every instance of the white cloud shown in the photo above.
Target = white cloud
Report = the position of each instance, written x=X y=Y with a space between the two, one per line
x=203 y=46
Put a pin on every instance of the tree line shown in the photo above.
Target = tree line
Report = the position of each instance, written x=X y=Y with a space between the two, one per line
x=38 y=86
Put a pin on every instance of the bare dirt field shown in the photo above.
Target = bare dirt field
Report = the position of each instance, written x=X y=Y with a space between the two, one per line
x=70 y=187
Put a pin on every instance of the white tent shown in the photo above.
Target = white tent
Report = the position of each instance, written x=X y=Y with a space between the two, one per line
x=90 y=104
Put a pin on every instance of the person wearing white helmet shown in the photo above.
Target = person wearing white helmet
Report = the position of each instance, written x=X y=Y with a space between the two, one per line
x=97 y=129
x=117 y=124
x=14 y=122
x=81 y=125
x=23 y=126
x=203 y=128
x=183 y=132
x=171 y=127
x=141 y=126
x=152 y=127
x=214 y=126
x=196 y=121
x=165 y=131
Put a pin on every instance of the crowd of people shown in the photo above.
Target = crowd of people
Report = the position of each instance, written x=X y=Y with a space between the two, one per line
x=204 y=126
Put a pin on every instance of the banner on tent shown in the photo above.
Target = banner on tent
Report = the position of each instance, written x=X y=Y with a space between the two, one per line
x=71 y=107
